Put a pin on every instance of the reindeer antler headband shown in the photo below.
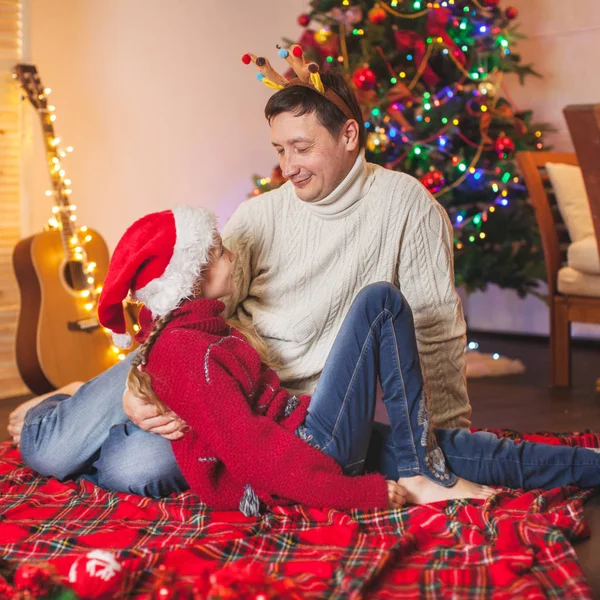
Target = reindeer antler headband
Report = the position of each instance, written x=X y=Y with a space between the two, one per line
x=308 y=76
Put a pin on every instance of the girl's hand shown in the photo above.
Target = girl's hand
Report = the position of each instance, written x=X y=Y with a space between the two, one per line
x=396 y=495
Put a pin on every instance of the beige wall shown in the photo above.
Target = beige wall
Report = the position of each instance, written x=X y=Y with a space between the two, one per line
x=154 y=98
x=563 y=44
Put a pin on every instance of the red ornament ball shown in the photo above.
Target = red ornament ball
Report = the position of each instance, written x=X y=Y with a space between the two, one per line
x=304 y=20
x=511 y=13
x=364 y=78
x=246 y=59
x=377 y=15
x=434 y=181
x=297 y=51
x=491 y=3
x=504 y=146
x=98 y=574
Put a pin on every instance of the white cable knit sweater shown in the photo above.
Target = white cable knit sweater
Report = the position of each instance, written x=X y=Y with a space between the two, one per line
x=299 y=266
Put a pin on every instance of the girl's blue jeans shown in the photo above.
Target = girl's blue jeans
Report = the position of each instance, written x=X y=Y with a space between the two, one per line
x=89 y=435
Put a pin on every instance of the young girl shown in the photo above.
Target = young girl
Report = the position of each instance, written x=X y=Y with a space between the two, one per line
x=249 y=440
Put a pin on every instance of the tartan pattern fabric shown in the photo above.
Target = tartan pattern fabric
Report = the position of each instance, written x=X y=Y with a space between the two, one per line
x=515 y=545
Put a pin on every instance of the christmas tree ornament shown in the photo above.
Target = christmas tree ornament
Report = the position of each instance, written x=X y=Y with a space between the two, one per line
x=304 y=20
x=322 y=35
x=504 y=146
x=7 y=591
x=377 y=15
x=511 y=13
x=487 y=88
x=377 y=142
x=364 y=78
x=434 y=181
x=348 y=17
x=36 y=580
x=97 y=574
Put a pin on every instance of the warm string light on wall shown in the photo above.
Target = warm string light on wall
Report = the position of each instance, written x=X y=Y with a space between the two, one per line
x=64 y=217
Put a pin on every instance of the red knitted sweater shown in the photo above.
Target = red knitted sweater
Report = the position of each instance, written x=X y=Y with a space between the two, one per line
x=213 y=379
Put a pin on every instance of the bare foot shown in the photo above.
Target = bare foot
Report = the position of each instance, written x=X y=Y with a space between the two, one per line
x=421 y=490
x=17 y=416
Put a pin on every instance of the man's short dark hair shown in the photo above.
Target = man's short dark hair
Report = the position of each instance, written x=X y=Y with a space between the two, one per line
x=300 y=100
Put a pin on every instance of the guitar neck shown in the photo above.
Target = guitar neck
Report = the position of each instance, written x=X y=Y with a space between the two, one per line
x=60 y=190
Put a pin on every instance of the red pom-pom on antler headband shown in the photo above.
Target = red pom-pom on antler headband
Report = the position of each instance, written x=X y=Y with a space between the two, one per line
x=308 y=75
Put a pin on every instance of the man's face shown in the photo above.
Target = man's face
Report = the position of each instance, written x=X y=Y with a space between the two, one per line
x=309 y=156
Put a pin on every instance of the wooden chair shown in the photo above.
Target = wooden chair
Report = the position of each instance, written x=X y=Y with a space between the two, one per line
x=564 y=309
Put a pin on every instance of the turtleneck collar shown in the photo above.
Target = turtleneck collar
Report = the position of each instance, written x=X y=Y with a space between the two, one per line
x=344 y=199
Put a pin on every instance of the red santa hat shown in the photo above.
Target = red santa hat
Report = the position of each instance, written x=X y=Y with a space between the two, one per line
x=158 y=260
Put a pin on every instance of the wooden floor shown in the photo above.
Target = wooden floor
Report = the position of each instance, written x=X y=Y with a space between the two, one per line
x=524 y=403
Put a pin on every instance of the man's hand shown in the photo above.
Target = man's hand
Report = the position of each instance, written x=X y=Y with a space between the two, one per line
x=146 y=417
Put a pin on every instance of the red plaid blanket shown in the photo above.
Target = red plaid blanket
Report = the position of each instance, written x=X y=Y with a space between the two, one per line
x=515 y=545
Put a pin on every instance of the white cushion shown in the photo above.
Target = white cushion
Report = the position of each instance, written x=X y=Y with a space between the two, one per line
x=572 y=199
x=576 y=283
x=583 y=256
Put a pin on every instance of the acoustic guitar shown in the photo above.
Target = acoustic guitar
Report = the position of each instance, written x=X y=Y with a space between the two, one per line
x=60 y=273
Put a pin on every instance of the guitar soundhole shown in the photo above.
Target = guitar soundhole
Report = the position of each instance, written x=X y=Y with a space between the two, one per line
x=74 y=276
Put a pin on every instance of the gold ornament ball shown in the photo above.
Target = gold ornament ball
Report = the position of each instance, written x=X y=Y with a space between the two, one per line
x=487 y=89
x=377 y=142
x=322 y=36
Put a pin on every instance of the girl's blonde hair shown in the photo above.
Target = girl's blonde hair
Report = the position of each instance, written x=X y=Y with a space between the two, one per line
x=139 y=382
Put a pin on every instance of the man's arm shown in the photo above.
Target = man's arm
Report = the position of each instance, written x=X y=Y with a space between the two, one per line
x=426 y=277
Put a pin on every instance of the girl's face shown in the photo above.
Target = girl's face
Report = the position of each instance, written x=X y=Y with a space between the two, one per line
x=217 y=278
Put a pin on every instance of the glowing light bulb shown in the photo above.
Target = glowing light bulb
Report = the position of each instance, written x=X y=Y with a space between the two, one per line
x=73 y=218
x=136 y=327
x=84 y=228
x=90 y=280
x=495 y=356
x=53 y=118
x=55 y=141
x=69 y=148
x=89 y=306
x=85 y=294
x=47 y=91
x=72 y=207
x=55 y=209
x=68 y=181
x=121 y=356
x=115 y=349
x=78 y=250
x=91 y=266
x=88 y=238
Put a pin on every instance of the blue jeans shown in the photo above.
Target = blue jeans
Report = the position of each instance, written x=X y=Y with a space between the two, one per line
x=88 y=434
x=377 y=338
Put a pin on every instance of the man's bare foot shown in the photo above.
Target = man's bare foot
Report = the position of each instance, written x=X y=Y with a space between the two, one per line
x=17 y=416
x=421 y=490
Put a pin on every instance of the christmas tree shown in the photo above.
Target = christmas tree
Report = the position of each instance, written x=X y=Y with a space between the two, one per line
x=429 y=77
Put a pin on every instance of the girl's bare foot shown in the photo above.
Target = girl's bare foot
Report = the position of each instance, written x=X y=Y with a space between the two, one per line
x=420 y=490
x=17 y=416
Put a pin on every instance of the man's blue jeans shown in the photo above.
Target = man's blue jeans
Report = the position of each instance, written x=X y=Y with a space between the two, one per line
x=89 y=434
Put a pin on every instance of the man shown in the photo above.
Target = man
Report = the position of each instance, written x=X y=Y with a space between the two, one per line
x=303 y=252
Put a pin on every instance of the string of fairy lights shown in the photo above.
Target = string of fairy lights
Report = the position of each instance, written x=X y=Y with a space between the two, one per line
x=75 y=238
